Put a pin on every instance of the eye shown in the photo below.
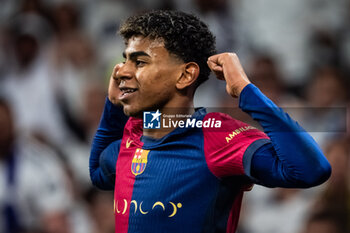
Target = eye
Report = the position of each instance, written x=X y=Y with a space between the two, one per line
x=140 y=63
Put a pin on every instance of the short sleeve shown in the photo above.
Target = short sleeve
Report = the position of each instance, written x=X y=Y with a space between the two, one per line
x=225 y=146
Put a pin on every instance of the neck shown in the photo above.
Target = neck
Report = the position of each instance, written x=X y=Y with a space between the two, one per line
x=176 y=112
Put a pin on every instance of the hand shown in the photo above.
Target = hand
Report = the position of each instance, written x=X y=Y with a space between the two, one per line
x=226 y=66
x=113 y=88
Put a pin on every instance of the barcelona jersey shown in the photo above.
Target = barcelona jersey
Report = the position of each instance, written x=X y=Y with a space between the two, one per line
x=191 y=180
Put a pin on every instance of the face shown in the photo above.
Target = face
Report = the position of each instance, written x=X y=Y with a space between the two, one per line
x=148 y=77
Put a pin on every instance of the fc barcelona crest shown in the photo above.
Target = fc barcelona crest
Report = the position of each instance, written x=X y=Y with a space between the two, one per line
x=139 y=161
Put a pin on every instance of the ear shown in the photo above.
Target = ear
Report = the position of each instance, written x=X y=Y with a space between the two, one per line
x=188 y=76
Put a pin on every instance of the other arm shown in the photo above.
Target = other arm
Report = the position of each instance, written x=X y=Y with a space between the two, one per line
x=292 y=158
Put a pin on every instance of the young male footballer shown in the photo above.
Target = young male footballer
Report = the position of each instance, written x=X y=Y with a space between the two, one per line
x=190 y=177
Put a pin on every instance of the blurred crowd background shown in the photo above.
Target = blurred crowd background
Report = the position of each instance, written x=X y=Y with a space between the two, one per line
x=55 y=61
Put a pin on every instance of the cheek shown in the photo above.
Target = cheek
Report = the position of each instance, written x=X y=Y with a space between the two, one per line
x=156 y=91
x=156 y=80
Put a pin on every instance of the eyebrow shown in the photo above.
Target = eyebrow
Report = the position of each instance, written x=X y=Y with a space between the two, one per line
x=136 y=54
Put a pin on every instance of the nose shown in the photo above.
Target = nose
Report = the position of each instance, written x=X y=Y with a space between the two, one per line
x=125 y=71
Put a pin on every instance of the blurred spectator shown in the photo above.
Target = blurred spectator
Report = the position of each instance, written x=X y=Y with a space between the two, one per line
x=335 y=198
x=325 y=45
x=32 y=6
x=34 y=196
x=345 y=42
x=324 y=222
x=327 y=88
x=33 y=18
x=265 y=75
x=6 y=10
x=219 y=17
x=102 y=20
x=275 y=210
x=73 y=65
x=278 y=28
x=101 y=210
x=330 y=212
x=290 y=29
x=74 y=70
x=326 y=101
x=66 y=19
x=6 y=59
x=30 y=91
x=327 y=15
x=94 y=99
x=326 y=21
x=76 y=152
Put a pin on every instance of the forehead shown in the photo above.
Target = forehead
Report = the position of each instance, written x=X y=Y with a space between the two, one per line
x=150 y=46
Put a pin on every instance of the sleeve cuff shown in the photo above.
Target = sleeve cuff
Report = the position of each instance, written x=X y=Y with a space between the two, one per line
x=248 y=156
x=245 y=93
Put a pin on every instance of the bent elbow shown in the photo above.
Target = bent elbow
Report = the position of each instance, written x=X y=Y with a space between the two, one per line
x=325 y=173
x=101 y=185
x=100 y=181
x=94 y=180
x=318 y=175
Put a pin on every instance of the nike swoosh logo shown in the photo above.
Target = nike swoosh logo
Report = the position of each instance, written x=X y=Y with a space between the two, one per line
x=128 y=143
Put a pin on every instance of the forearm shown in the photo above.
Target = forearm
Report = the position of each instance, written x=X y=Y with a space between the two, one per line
x=294 y=158
x=110 y=129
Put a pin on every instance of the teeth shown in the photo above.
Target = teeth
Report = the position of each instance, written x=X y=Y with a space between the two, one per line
x=129 y=90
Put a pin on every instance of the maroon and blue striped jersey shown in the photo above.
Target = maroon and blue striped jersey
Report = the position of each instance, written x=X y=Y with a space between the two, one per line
x=191 y=180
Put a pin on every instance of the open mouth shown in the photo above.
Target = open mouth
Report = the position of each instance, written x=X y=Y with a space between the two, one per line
x=126 y=92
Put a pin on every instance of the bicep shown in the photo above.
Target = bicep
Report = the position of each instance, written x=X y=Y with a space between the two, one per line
x=269 y=169
x=265 y=167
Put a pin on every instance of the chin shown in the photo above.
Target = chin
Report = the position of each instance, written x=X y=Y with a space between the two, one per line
x=132 y=112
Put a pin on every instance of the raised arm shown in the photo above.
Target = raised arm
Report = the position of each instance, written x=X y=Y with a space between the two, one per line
x=110 y=130
x=292 y=158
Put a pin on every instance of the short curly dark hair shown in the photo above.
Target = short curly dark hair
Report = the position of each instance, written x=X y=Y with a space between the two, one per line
x=184 y=35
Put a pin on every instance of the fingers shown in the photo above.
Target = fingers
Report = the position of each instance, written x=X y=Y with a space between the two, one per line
x=115 y=80
x=113 y=87
x=115 y=70
x=214 y=66
x=221 y=58
x=216 y=58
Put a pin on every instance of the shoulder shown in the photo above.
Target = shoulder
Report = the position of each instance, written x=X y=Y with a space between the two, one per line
x=225 y=146
x=223 y=117
x=226 y=129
